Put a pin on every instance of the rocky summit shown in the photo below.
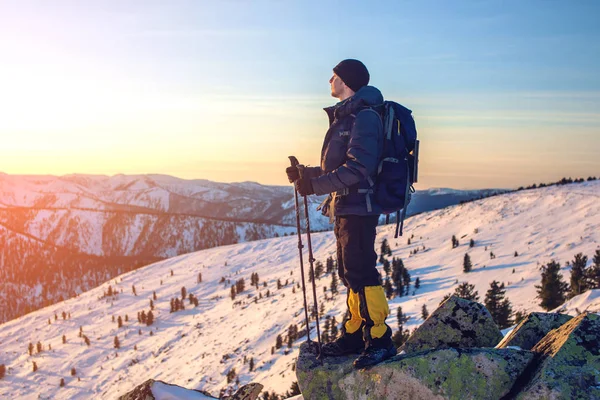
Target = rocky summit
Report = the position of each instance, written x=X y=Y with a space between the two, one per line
x=457 y=323
x=563 y=364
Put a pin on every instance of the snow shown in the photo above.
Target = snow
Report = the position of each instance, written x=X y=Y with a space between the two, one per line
x=195 y=348
x=170 y=392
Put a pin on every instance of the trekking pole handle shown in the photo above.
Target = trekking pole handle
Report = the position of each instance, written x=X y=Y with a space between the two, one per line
x=297 y=164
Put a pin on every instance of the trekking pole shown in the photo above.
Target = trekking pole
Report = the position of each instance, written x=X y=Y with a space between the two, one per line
x=295 y=163
x=311 y=261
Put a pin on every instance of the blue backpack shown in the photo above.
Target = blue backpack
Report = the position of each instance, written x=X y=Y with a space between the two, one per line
x=398 y=166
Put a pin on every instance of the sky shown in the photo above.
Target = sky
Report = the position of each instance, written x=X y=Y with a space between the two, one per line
x=503 y=93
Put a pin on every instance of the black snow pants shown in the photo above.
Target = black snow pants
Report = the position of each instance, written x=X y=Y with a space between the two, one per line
x=356 y=256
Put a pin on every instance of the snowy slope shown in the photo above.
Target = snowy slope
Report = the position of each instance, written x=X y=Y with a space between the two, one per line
x=196 y=347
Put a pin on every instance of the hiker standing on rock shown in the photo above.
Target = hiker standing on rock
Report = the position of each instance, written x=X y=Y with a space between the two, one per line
x=349 y=160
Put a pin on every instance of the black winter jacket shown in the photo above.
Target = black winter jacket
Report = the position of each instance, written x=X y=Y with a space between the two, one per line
x=350 y=155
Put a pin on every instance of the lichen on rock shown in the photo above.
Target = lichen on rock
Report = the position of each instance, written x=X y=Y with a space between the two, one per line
x=456 y=323
x=532 y=329
x=569 y=362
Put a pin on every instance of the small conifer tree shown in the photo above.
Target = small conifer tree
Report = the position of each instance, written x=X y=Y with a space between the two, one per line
x=467 y=265
x=579 y=282
x=334 y=284
x=498 y=306
x=150 y=318
x=117 y=344
x=593 y=273
x=2 y=371
x=424 y=312
x=73 y=372
x=552 y=290
x=35 y=367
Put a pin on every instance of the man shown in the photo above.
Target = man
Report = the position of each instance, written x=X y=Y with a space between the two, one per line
x=349 y=160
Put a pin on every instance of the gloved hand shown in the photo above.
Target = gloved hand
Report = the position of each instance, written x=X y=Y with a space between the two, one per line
x=292 y=173
x=303 y=185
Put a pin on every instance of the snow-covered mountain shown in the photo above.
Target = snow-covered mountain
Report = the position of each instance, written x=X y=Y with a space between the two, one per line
x=93 y=228
x=197 y=347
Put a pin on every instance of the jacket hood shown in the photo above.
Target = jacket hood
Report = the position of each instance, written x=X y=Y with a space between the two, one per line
x=367 y=96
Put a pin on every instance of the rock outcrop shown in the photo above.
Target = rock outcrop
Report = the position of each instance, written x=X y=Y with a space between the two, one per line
x=158 y=390
x=562 y=364
x=569 y=362
x=532 y=329
x=426 y=375
x=456 y=323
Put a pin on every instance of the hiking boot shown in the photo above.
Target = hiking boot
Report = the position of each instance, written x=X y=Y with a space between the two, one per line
x=374 y=355
x=348 y=343
x=378 y=350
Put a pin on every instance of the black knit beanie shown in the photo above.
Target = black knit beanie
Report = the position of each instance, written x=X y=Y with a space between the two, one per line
x=354 y=73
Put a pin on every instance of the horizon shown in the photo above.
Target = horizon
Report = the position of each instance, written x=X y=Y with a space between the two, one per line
x=503 y=95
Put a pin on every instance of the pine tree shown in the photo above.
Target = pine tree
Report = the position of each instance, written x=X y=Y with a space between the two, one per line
x=594 y=272
x=471 y=243
x=278 y=342
x=133 y=290
x=329 y=265
x=119 y=322
x=334 y=284
x=333 y=329
x=498 y=306
x=552 y=289
x=149 y=318
x=73 y=371
x=424 y=312
x=86 y=340
x=388 y=288
x=240 y=285
x=294 y=390
x=62 y=382
x=117 y=344
x=199 y=277
x=39 y=347
x=417 y=283
x=318 y=269
x=516 y=254
x=251 y=364
x=232 y=292
x=387 y=267
x=385 y=248
x=400 y=337
x=467 y=266
x=467 y=291
x=30 y=348
x=454 y=242
x=578 y=275
x=279 y=285
x=154 y=295
x=406 y=280
x=183 y=292
x=397 y=275
x=35 y=367
x=402 y=318
x=2 y=371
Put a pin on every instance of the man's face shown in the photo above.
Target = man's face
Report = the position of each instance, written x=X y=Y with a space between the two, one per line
x=337 y=86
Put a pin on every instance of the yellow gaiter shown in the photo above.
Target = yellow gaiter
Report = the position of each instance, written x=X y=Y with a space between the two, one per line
x=355 y=321
x=377 y=310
